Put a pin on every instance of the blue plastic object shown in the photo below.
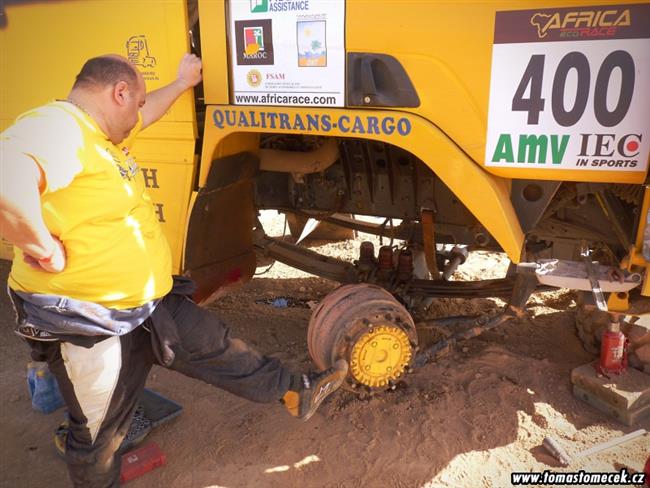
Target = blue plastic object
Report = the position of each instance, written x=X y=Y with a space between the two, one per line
x=43 y=388
x=280 y=303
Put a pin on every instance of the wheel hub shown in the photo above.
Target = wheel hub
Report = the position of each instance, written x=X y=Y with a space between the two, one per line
x=380 y=355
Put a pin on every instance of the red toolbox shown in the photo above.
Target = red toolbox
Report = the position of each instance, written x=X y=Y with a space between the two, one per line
x=140 y=461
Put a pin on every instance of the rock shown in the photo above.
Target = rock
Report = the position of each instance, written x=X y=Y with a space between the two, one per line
x=643 y=353
x=634 y=362
x=636 y=332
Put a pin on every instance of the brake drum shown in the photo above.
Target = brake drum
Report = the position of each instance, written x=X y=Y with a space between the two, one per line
x=368 y=327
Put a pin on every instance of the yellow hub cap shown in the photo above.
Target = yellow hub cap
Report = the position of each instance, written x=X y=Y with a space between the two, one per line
x=380 y=355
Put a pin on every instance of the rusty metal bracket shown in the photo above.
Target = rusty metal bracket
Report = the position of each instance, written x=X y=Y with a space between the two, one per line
x=619 y=302
x=442 y=348
x=429 y=242
x=595 y=285
x=525 y=284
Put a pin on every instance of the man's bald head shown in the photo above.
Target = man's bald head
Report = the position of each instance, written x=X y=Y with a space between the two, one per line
x=111 y=91
x=105 y=71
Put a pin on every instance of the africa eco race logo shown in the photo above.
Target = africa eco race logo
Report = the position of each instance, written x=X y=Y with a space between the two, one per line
x=596 y=20
x=259 y=6
x=254 y=42
x=602 y=22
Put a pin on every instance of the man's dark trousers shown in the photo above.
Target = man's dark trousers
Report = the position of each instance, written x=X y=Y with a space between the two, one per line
x=101 y=384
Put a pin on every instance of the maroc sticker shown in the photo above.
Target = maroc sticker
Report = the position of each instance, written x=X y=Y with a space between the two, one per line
x=570 y=89
x=254 y=40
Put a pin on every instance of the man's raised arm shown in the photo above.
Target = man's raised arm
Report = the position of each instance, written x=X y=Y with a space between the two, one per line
x=159 y=101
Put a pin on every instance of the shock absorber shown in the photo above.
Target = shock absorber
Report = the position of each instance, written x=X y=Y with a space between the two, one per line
x=385 y=263
x=367 y=259
x=405 y=265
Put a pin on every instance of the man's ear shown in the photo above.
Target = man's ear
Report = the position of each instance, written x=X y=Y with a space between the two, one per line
x=120 y=91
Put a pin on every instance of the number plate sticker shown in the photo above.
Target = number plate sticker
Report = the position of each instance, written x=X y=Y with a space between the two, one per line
x=570 y=89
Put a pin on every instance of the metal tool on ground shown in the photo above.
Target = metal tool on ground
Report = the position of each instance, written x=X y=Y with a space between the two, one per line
x=557 y=451
x=525 y=284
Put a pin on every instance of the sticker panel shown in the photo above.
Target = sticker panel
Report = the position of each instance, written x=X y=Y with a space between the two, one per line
x=570 y=89
x=286 y=52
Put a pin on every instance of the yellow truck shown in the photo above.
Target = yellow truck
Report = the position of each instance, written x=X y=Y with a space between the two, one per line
x=512 y=126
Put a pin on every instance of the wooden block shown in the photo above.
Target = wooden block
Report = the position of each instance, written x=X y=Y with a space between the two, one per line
x=627 y=416
x=628 y=390
x=643 y=353
x=626 y=397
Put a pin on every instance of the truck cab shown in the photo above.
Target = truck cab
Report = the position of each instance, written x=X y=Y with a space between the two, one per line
x=504 y=126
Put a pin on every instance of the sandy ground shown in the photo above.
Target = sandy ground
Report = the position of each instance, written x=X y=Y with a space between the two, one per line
x=467 y=421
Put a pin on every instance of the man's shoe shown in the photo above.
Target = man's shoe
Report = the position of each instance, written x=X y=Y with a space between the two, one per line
x=305 y=396
x=61 y=437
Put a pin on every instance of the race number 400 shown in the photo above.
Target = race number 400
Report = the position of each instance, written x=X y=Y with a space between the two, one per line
x=570 y=89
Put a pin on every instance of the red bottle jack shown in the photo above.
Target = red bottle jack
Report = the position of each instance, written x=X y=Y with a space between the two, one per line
x=613 y=359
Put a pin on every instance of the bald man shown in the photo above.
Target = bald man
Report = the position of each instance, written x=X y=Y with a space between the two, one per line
x=91 y=279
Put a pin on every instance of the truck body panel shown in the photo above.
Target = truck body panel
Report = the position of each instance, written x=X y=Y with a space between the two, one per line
x=43 y=46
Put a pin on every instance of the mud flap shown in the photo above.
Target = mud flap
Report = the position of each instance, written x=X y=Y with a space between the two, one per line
x=219 y=248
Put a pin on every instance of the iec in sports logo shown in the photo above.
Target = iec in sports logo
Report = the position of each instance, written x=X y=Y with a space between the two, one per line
x=259 y=6
x=254 y=42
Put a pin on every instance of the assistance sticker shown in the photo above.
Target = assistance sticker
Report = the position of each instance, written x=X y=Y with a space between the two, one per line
x=287 y=52
x=570 y=89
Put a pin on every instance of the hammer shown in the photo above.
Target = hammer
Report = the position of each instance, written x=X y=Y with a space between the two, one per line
x=557 y=451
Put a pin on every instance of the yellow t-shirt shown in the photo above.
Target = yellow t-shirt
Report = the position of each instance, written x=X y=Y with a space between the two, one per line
x=94 y=200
